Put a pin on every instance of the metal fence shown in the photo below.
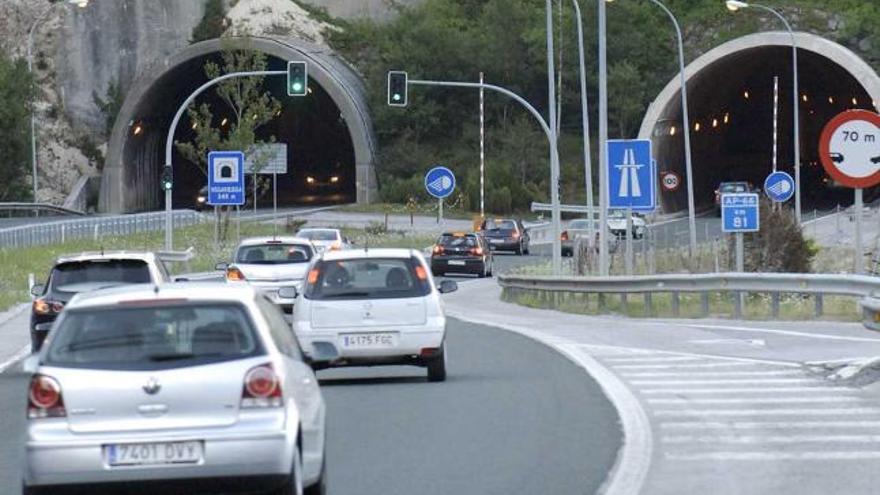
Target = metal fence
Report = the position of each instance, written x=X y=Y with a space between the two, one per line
x=737 y=284
x=93 y=228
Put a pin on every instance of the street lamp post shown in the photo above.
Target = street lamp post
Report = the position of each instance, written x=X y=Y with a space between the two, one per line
x=585 y=119
x=603 y=140
x=30 y=60
x=554 y=136
x=733 y=6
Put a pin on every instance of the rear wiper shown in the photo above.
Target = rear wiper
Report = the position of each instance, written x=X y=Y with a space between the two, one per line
x=347 y=294
x=170 y=357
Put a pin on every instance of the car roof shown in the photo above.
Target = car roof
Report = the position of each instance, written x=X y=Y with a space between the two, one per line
x=368 y=253
x=107 y=255
x=191 y=291
x=307 y=229
x=257 y=241
x=460 y=234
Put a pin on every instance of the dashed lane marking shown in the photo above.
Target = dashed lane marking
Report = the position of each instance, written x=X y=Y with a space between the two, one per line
x=756 y=400
x=774 y=439
x=764 y=425
x=852 y=411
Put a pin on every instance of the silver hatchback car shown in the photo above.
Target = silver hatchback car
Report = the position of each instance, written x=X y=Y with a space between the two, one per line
x=198 y=386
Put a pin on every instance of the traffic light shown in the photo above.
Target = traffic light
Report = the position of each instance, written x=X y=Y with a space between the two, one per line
x=167 y=178
x=397 y=86
x=297 y=79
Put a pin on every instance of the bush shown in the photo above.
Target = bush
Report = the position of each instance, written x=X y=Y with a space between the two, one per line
x=779 y=247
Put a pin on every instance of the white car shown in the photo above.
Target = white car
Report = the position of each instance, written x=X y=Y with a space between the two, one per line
x=269 y=264
x=373 y=307
x=197 y=385
x=617 y=224
x=324 y=239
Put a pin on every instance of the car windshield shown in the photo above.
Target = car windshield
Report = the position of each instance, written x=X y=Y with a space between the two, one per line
x=500 y=225
x=734 y=188
x=79 y=276
x=617 y=215
x=318 y=235
x=579 y=224
x=274 y=254
x=456 y=241
x=372 y=278
x=159 y=336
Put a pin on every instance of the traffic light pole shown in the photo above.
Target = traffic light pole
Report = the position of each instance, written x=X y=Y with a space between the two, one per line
x=551 y=138
x=169 y=142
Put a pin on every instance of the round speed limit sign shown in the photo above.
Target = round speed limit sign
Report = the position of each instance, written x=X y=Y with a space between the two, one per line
x=850 y=149
x=670 y=181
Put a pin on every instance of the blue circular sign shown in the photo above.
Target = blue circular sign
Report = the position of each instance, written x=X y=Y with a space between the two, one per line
x=779 y=187
x=440 y=182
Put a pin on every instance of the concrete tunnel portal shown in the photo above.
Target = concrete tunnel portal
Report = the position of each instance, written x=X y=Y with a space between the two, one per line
x=731 y=92
x=331 y=150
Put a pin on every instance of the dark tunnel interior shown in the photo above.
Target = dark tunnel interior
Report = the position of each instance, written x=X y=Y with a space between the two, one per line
x=320 y=153
x=731 y=106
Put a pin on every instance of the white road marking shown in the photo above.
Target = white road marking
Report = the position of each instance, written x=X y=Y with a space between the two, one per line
x=21 y=354
x=757 y=400
x=746 y=390
x=755 y=439
x=732 y=381
x=853 y=411
x=748 y=342
x=792 y=333
x=679 y=366
x=649 y=374
x=675 y=355
x=658 y=359
x=766 y=425
x=776 y=456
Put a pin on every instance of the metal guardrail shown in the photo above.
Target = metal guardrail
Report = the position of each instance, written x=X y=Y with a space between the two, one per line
x=92 y=227
x=41 y=207
x=775 y=284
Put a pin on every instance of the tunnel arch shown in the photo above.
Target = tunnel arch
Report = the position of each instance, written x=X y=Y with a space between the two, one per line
x=723 y=74
x=131 y=172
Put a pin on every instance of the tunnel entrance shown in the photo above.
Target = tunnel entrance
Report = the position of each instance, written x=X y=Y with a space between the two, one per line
x=326 y=135
x=731 y=102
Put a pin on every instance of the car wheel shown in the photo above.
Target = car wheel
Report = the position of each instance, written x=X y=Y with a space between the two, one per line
x=293 y=485
x=320 y=487
x=437 y=366
x=519 y=250
x=527 y=250
x=483 y=273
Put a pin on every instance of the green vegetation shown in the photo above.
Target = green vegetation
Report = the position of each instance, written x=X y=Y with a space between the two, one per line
x=38 y=260
x=457 y=39
x=213 y=23
x=780 y=246
x=16 y=95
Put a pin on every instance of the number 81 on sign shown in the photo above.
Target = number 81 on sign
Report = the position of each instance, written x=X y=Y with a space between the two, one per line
x=740 y=213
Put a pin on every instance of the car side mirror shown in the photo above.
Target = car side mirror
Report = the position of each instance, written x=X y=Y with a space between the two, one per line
x=288 y=293
x=38 y=289
x=31 y=363
x=448 y=286
x=221 y=267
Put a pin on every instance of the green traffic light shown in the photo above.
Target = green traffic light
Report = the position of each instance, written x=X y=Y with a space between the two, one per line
x=297 y=86
x=396 y=97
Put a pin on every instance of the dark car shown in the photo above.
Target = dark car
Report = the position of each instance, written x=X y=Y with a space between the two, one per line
x=201 y=201
x=83 y=273
x=728 y=188
x=461 y=253
x=506 y=234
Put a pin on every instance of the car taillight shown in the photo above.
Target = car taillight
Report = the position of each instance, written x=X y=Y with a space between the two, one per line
x=262 y=388
x=438 y=249
x=313 y=275
x=564 y=235
x=477 y=251
x=44 y=307
x=515 y=235
x=44 y=398
x=234 y=275
x=336 y=246
x=421 y=273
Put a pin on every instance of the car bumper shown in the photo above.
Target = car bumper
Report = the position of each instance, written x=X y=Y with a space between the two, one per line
x=505 y=244
x=458 y=265
x=326 y=346
x=68 y=459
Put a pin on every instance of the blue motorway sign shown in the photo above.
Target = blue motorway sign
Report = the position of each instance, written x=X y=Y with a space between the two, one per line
x=739 y=212
x=779 y=187
x=225 y=178
x=632 y=175
x=440 y=182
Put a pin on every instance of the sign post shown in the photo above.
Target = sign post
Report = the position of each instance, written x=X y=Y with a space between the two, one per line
x=850 y=152
x=440 y=183
x=740 y=214
x=632 y=183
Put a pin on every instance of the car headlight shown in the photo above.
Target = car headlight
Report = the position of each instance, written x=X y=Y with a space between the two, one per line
x=201 y=199
x=310 y=180
x=334 y=179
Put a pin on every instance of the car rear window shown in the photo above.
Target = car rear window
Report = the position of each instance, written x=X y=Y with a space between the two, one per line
x=500 y=225
x=734 y=188
x=452 y=241
x=78 y=276
x=373 y=278
x=153 y=337
x=318 y=235
x=274 y=254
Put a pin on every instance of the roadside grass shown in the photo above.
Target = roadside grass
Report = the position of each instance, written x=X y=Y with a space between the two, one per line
x=38 y=260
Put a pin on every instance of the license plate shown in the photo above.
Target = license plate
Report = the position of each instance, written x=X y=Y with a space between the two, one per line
x=496 y=241
x=140 y=454
x=456 y=263
x=369 y=341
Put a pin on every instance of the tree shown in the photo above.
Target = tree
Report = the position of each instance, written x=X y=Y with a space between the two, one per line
x=213 y=23
x=16 y=102
x=109 y=105
x=251 y=107
x=779 y=246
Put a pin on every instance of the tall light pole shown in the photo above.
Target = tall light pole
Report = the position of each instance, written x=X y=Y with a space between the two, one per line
x=688 y=164
x=603 y=141
x=585 y=118
x=554 y=139
x=30 y=60
x=733 y=6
